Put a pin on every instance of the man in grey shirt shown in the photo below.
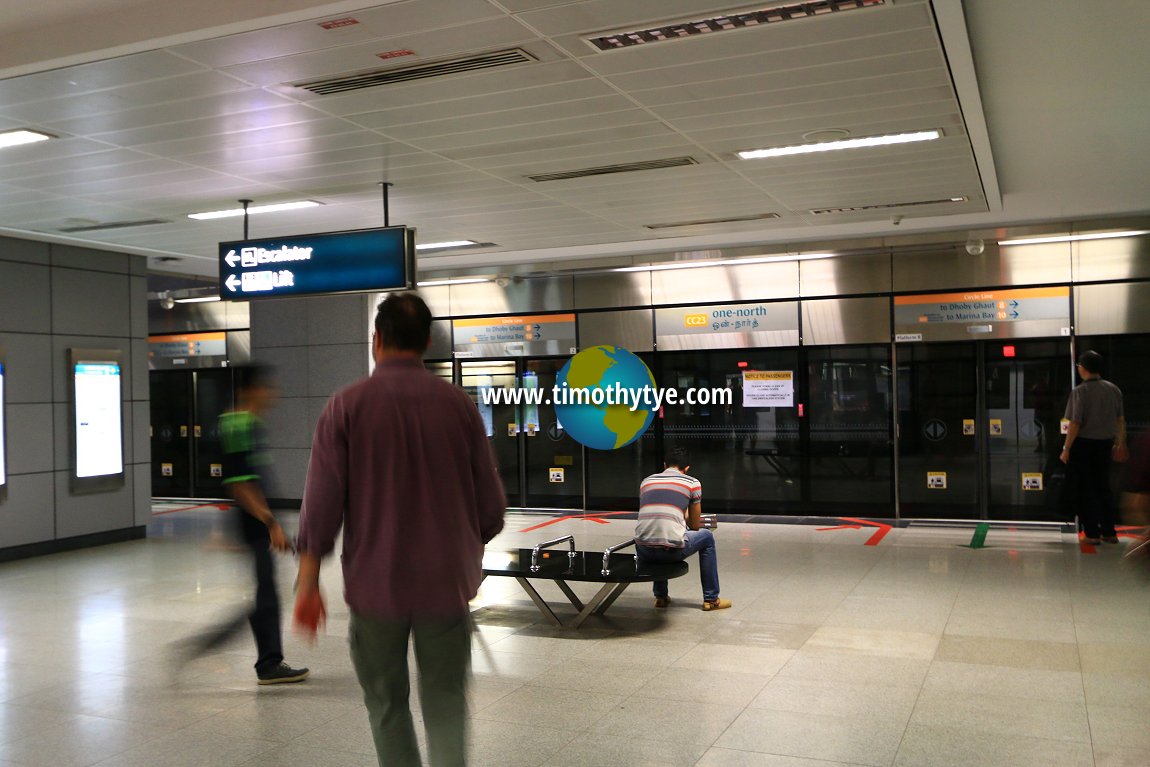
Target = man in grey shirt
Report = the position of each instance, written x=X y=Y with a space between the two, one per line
x=1096 y=435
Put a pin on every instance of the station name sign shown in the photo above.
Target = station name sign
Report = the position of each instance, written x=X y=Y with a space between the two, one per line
x=313 y=264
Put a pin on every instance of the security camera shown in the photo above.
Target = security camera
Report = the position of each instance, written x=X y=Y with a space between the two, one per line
x=167 y=302
x=895 y=220
x=975 y=246
x=502 y=282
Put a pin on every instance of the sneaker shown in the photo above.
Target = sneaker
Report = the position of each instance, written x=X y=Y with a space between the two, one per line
x=1110 y=539
x=662 y=601
x=718 y=604
x=283 y=674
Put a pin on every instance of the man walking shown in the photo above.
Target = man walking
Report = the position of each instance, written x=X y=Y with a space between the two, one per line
x=401 y=461
x=1095 y=436
x=669 y=527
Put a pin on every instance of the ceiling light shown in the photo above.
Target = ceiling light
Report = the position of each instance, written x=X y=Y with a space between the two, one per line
x=461 y=281
x=1074 y=237
x=253 y=209
x=850 y=143
x=446 y=245
x=18 y=137
x=727 y=262
x=200 y=300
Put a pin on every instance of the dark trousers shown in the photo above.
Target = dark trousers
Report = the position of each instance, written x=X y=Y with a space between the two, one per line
x=1088 y=473
x=264 y=618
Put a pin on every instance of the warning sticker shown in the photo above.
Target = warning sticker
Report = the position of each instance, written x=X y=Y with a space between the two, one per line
x=996 y=427
x=968 y=427
x=557 y=474
x=1031 y=480
x=217 y=470
x=165 y=469
x=936 y=480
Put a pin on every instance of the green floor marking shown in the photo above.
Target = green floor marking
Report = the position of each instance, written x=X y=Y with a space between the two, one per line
x=978 y=541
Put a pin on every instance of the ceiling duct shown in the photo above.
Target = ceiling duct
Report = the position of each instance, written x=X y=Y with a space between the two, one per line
x=603 y=170
x=704 y=222
x=887 y=206
x=423 y=71
x=727 y=22
x=113 y=225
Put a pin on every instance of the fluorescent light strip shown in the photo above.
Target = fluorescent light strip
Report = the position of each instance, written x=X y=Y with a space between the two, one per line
x=1074 y=237
x=20 y=137
x=727 y=262
x=445 y=245
x=254 y=209
x=202 y=300
x=461 y=281
x=849 y=143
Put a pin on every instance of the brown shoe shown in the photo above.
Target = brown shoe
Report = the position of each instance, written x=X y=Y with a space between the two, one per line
x=718 y=604
x=662 y=601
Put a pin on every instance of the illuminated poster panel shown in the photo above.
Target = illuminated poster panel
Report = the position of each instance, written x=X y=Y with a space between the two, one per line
x=3 y=447
x=98 y=438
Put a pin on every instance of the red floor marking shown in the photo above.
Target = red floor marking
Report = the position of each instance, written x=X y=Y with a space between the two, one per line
x=592 y=517
x=857 y=524
x=1087 y=548
x=220 y=506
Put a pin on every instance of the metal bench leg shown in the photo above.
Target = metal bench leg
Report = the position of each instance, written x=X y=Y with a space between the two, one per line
x=610 y=600
x=544 y=608
x=571 y=595
x=596 y=600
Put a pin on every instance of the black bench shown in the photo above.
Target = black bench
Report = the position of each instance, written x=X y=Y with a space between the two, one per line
x=615 y=571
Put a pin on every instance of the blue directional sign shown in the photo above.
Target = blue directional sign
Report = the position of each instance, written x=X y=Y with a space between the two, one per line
x=311 y=264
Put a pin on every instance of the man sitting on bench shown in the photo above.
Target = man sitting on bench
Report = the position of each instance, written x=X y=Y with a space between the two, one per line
x=669 y=503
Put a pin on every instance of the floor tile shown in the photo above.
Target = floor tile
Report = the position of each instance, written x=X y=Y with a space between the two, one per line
x=977 y=679
x=860 y=701
x=726 y=757
x=671 y=719
x=856 y=741
x=982 y=713
x=554 y=709
x=895 y=644
x=930 y=745
x=1013 y=653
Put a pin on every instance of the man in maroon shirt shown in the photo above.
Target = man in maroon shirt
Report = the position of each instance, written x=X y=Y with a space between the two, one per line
x=401 y=461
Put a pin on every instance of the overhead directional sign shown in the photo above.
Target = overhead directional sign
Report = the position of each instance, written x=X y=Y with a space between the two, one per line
x=983 y=306
x=310 y=264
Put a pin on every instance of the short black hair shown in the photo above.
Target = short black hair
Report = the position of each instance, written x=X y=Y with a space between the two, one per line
x=1091 y=361
x=403 y=322
x=253 y=375
x=678 y=456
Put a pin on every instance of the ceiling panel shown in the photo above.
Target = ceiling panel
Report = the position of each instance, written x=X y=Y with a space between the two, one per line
x=112 y=73
x=510 y=118
x=207 y=107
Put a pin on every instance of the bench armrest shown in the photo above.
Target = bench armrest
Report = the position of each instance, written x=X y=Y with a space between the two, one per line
x=611 y=550
x=569 y=539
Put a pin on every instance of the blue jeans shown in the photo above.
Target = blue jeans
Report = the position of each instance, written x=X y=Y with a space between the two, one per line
x=701 y=541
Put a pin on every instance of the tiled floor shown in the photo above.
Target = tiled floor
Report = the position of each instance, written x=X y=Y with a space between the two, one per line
x=913 y=652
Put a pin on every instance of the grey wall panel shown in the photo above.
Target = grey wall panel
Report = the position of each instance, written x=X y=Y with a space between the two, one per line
x=291 y=368
x=30 y=439
x=1122 y=258
x=90 y=259
x=518 y=295
x=26 y=516
x=142 y=494
x=440 y=348
x=339 y=319
x=953 y=269
x=96 y=512
x=141 y=436
x=279 y=322
x=140 y=384
x=25 y=298
x=331 y=368
x=138 y=306
x=90 y=303
x=846 y=321
x=28 y=372
x=594 y=291
x=239 y=346
x=288 y=425
x=1112 y=309
x=845 y=274
x=725 y=283
x=61 y=372
x=239 y=314
x=438 y=299
x=287 y=473
x=25 y=251
x=632 y=329
x=138 y=265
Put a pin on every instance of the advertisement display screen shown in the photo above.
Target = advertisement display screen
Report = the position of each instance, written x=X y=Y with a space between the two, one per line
x=3 y=454
x=98 y=426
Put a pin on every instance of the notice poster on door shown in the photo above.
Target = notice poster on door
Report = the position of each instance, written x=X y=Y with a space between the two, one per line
x=483 y=401
x=531 y=409
x=768 y=388
x=99 y=435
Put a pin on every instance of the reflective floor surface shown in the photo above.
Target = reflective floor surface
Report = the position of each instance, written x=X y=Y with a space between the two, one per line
x=916 y=651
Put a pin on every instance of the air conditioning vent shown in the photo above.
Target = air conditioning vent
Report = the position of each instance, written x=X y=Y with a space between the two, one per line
x=423 y=71
x=886 y=206
x=727 y=22
x=704 y=222
x=113 y=225
x=603 y=170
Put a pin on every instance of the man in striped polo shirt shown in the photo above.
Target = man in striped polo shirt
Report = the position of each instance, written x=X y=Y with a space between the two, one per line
x=669 y=527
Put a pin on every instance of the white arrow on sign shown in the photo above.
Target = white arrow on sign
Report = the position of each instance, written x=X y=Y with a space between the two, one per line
x=232 y=282
x=231 y=258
